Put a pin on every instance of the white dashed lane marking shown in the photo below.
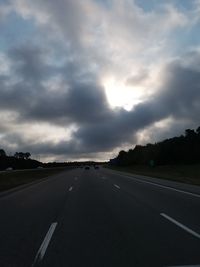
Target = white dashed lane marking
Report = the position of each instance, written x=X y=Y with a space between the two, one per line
x=41 y=252
x=187 y=229
x=117 y=186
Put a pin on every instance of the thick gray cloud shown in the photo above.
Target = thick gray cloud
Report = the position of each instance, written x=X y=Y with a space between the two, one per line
x=81 y=101
x=56 y=79
x=179 y=98
x=100 y=128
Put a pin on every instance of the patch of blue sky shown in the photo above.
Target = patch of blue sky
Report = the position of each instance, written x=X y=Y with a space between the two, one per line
x=150 y=5
x=185 y=39
x=105 y=3
x=2 y=2
x=15 y=30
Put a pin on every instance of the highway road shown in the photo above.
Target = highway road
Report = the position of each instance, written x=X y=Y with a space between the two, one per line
x=100 y=218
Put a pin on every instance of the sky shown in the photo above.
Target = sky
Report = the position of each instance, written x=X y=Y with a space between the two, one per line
x=82 y=80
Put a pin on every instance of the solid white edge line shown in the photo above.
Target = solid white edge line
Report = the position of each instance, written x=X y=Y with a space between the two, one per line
x=117 y=186
x=185 y=266
x=70 y=189
x=41 y=252
x=180 y=225
x=159 y=185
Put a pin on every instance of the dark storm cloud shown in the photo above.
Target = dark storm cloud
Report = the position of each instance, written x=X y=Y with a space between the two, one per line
x=83 y=102
x=29 y=63
x=181 y=91
x=74 y=100
x=179 y=98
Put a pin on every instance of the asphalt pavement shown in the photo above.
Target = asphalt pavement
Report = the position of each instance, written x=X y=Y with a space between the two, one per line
x=100 y=217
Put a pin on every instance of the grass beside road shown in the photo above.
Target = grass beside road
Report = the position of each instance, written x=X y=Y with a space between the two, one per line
x=13 y=179
x=189 y=174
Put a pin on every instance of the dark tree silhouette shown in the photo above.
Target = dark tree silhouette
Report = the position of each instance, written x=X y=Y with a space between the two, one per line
x=27 y=155
x=20 y=160
x=21 y=155
x=198 y=130
x=2 y=153
x=184 y=149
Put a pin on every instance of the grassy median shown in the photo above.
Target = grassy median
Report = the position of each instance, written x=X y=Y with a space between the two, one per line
x=11 y=179
x=189 y=174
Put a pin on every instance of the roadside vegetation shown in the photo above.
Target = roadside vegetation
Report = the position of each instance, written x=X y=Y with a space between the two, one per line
x=19 y=160
x=189 y=174
x=177 y=158
x=20 y=169
x=11 y=179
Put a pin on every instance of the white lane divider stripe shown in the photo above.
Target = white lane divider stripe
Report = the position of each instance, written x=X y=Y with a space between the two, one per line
x=180 y=225
x=41 y=252
x=185 y=266
x=71 y=187
x=162 y=186
x=117 y=186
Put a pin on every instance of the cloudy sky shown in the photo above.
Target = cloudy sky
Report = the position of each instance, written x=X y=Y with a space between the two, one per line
x=84 y=79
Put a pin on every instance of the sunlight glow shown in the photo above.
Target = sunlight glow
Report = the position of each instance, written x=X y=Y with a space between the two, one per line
x=121 y=95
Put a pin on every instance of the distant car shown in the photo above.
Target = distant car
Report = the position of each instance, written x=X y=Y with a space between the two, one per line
x=9 y=169
x=87 y=168
x=96 y=167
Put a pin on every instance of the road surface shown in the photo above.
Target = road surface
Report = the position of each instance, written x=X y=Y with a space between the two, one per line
x=100 y=218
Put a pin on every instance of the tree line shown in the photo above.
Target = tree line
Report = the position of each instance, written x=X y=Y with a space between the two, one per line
x=184 y=149
x=20 y=160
